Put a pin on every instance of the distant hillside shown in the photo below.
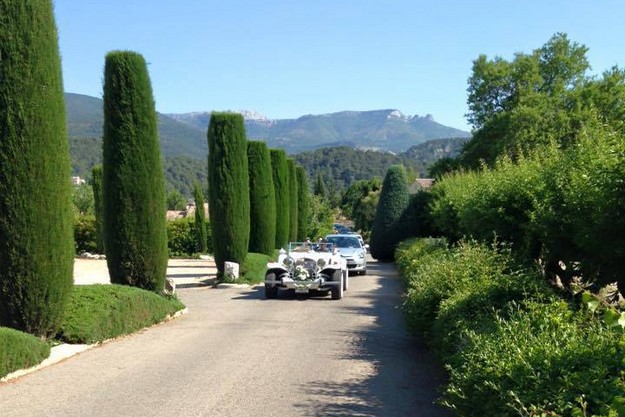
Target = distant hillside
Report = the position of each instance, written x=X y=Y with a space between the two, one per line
x=85 y=120
x=383 y=129
x=343 y=165
x=435 y=149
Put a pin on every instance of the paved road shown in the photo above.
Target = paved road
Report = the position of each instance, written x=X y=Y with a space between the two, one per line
x=237 y=354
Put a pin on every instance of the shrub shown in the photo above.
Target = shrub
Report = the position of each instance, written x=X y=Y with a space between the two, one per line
x=540 y=359
x=262 y=199
x=99 y=207
x=228 y=188
x=293 y=199
x=85 y=234
x=182 y=238
x=100 y=312
x=200 y=220
x=20 y=350
x=134 y=191
x=303 y=203
x=387 y=229
x=36 y=220
x=279 y=170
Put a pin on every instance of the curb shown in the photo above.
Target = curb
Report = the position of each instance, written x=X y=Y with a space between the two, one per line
x=64 y=351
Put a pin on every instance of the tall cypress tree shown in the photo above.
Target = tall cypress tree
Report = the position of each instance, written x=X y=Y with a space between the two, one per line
x=262 y=199
x=320 y=187
x=99 y=207
x=293 y=198
x=134 y=196
x=280 y=172
x=303 y=202
x=200 y=219
x=36 y=223
x=388 y=229
x=228 y=188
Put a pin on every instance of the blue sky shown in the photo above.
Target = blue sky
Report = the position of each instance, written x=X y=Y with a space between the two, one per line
x=286 y=59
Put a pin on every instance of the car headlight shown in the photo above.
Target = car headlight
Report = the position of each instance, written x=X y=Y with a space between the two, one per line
x=288 y=261
x=321 y=263
x=361 y=255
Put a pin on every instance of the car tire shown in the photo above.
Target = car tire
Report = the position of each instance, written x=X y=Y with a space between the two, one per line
x=271 y=291
x=337 y=291
x=346 y=281
x=362 y=272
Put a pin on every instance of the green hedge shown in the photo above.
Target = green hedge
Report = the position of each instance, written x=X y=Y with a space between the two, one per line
x=512 y=347
x=182 y=238
x=99 y=312
x=20 y=350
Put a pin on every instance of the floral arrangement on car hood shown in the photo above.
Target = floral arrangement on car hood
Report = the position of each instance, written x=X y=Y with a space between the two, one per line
x=300 y=273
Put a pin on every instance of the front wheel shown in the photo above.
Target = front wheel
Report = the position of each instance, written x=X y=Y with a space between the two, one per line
x=271 y=291
x=346 y=280
x=337 y=291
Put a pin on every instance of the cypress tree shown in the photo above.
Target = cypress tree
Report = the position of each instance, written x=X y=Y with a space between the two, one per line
x=387 y=229
x=99 y=208
x=293 y=199
x=320 y=187
x=228 y=188
x=279 y=170
x=36 y=221
x=303 y=202
x=200 y=219
x=135 y=231
x=262 y=199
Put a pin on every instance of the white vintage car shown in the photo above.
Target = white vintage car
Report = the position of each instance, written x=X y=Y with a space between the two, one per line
x=308 y=267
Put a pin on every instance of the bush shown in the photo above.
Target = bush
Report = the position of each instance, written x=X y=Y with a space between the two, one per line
x=388 y=229
x=135 y=229
x=36 y=223
x=100 y=312
x=85 y=234
x=182 y=238
x=540 y=359
x=228 y=188
x=20 y=350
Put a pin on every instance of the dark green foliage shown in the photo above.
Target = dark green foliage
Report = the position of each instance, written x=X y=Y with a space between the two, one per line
x=387 y=229
x=321 y=217
x=262 y=199
x=279 y=170
x=36 y=222
x=293 y=198
x=98 y=196
x=175 y=201
x=340 y=167
x=85 y=234
x=20 y=350
x=303 y=203
x=181 y=172
x=228 y=188
x=359 y=203
x=182 y=238
x=200 y=220
x=320 y=187
x=100 y=312
x=134 y=196
x=509 y=344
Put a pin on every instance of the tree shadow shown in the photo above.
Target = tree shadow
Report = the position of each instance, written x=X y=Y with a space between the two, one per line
x=405 y=377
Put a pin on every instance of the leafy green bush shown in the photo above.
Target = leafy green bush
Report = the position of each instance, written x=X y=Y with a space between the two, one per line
x=541 y=360
x=182 y=238
x=85 y=234
x=99 y=312
x=20 y=350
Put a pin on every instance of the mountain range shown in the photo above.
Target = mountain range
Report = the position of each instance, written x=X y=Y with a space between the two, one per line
x=185 y=134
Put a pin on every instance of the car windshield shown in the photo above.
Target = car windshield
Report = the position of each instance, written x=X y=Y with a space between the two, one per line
x=344 y=241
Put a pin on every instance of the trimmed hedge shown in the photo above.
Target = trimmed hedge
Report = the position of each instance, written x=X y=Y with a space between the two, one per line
x=100 y=312
x=293 y=199
x=135 y=228
x=511 y=346
x=36 y=242
x=20 y=350
x=279 y=170
x=182 y=238
x=262 y=199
